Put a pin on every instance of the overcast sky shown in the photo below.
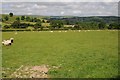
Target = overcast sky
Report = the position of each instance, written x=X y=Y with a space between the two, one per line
x=60 y=0
x=109 y=8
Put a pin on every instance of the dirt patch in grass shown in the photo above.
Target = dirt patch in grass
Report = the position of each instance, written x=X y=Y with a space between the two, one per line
x=31 y=72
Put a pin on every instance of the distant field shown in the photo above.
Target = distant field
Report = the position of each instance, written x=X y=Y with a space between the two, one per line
x=12 y=19
x=28 y=22
x=45 y=24
x=91 y=54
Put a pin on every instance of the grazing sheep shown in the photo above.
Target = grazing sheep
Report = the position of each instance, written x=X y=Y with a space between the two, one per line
x=59 y=31
x=65 y=31
x=7 y=42
x=3 y=42
x=11 y=40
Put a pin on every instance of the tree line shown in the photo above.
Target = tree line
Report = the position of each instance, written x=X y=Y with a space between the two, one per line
x=79 y=23
x=95 y=22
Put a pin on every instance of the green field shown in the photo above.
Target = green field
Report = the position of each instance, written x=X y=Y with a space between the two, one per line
x=12 y=19
x=91 y=54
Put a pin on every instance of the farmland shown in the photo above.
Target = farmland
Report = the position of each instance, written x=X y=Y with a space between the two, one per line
x=84 y=54
x=46 y=23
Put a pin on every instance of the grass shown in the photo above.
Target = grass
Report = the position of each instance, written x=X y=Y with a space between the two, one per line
x=45 y=24
x=11 y=19
x=28 y=22
x=3 y=23
x=92 y=54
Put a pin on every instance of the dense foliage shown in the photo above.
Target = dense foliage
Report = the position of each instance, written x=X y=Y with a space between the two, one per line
x=96 y=22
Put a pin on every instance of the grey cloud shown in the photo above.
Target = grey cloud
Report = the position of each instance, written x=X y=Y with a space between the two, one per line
x=60 y=0
x=62 y=8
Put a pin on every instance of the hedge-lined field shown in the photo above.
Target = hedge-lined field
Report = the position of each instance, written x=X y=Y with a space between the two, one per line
x=81 y=54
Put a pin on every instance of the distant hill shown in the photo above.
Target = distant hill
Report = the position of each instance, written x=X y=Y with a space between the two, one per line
x=72 y=19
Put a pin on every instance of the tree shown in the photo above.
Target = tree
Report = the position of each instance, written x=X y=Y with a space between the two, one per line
x=6 y=27
x=18 y=19
x=76 y=25
x=22 y=17
x=16 y=24
x=56 y=24
x=27 y=18
x=34 y=19
x=11 y=14
x=47 y=21
x=31 y=20
x=2 y=20
x=94 y=25
x=43 y=21
x=6 y=18
x=24 y=25
x=114 y=25
x=67 y=22
x=38 y=20
x=101 y=25
x=37 y=25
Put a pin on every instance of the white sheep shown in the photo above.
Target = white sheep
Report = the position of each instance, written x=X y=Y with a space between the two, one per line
x=7 y=42
x=11 y=40
x=65 y=31
x=59 y=31
x=79 y=30
x=3 y=42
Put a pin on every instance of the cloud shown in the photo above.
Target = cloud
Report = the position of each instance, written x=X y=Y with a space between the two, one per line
x=60 y=8
x=36 y=6
x=60 y=0
x=29 y=13
x=19 y=6
x=28 y=9
x=39 y=6
x=62 y=12
x=77 y=11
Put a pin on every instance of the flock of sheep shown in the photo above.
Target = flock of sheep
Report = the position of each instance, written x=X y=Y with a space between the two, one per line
x=8 y=42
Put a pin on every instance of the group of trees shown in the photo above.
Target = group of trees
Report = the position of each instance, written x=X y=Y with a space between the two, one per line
x=24 y=18
x=30 y=19
x=85 y=23
x=94 y=25
x=56 y=24
x=6 y=18
x=80 y=23
x=18 y=25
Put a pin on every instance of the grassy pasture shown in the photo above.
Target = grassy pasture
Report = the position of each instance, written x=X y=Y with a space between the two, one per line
x=11 y=19
x=45 y=24
x=91 y=54
x=28 y=22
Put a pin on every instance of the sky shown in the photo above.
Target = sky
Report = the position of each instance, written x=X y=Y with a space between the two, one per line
x=59 y=0
x=62 y=8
